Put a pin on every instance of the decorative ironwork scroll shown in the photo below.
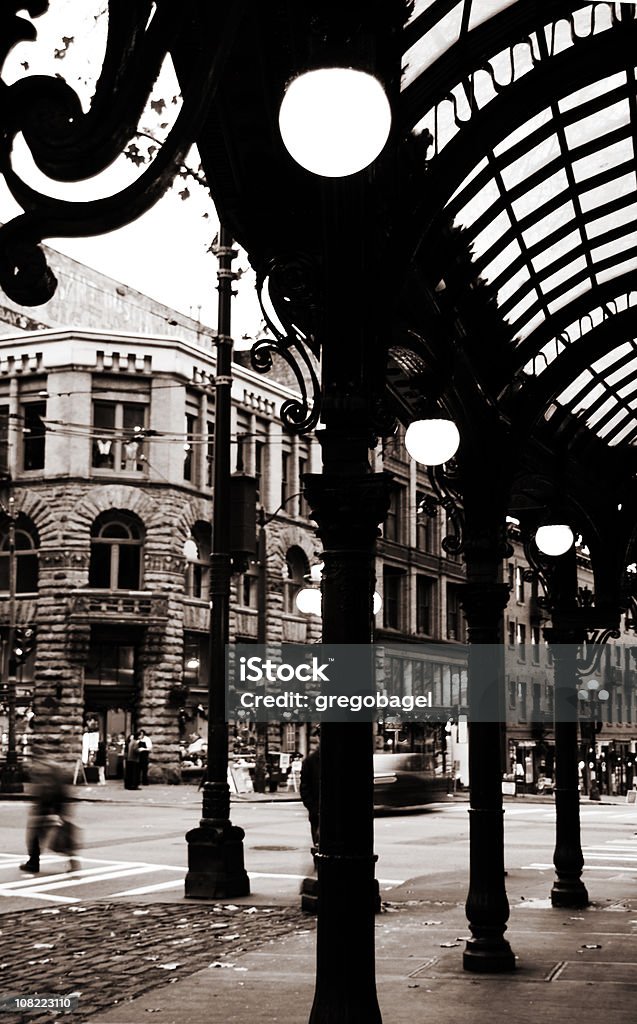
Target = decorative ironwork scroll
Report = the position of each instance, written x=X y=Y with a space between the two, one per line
x=70 y=145
x=445 y=482
x=289 y=286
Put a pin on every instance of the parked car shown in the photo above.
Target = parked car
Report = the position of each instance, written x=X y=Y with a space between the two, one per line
x=403 y=780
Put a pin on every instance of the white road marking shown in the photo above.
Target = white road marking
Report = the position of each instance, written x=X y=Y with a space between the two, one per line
x=29 y=895
x=174 y=884
x=588 y=867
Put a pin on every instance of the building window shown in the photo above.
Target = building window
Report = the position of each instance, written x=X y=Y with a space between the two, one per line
x=248 y=587
x=195 y=670
x=116 y=552
x=535 y=644
x=110 y=663
x=519 y=584
x=118 y=441
x=424 y=592
x=455 y=618
x=27 y=544
x=393 y=525
x=425 y=525
x=34 y=435
x=304 y=508
x=286 y=482
x=190 y=447
x=259 y=464
x=243 y=447
x=513 y=696
x=197 y=576
x=4 y=440
x=521 y=640
x=511 y=633
x=522 y=701
x=392 y=597
x=210 y=453
x=295 y=570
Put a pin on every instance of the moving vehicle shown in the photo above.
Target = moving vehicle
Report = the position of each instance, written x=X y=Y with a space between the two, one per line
x=406 y=780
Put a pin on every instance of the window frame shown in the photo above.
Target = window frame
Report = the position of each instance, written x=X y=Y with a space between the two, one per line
x=114 y=560
x=115 y=435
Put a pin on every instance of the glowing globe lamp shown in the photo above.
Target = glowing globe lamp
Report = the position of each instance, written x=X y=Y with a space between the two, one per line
x=308 y=601
x=433 y=441
x=555 y=539
x=334 y=121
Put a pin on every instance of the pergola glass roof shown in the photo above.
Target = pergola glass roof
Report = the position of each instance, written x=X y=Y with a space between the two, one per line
x=532 y=134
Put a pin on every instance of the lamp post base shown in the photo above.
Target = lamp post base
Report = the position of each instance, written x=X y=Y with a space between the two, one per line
x=569 y=892
x=215 y=862
x=488 y=956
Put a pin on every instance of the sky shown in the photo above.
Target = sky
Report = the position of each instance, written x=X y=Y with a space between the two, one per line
x=164 y=253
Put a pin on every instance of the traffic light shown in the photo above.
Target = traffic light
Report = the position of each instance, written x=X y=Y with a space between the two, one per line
x=24 y=643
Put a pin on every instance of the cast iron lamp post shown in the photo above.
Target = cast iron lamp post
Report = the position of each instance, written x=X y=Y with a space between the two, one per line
x=215 y=849
x=595 y=699
x=11 y=781
x=567 y=632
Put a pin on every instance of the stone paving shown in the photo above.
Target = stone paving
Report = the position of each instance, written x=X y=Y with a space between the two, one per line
x=112 y=953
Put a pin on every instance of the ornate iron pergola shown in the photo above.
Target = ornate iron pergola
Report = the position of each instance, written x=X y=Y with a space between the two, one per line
x=486 y=263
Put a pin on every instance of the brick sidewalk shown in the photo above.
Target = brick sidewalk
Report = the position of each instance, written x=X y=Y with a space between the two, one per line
x=113 y=953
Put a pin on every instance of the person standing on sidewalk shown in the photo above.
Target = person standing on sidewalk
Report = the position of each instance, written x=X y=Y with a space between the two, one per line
x=131 y=765
x=310 y=790
x=145 y=747
x=100 y=763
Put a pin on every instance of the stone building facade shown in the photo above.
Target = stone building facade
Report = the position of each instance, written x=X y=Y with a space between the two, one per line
x=106 y=444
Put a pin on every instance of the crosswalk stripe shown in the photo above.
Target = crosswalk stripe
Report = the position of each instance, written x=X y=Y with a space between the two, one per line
x=73 y=882
x=29 y=895
x=158 y=887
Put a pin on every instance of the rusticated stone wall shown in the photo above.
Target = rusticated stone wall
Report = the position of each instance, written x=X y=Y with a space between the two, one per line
x=65 y=609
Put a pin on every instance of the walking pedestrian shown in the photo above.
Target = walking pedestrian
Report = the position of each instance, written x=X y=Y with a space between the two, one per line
x=145 y=747
x=131 y=768
x=49 y=819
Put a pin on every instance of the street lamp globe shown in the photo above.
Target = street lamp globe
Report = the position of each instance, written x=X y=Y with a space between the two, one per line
x=308 y=601
x=378 y=603
x=555 y=539
x=334 y=121
x=190 y=550
x=603 y=695
x=432 y=441
x=316 y=572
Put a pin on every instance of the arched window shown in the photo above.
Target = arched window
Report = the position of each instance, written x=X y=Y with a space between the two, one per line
x=26 y=545
x=116 y=552
x=296 y=569
x=197 y=575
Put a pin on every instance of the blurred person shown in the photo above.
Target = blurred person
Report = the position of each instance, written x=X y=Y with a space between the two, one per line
x=145 y=747
x=49 y=820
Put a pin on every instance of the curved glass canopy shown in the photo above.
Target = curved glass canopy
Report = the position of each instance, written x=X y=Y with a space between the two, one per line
x=531 y=133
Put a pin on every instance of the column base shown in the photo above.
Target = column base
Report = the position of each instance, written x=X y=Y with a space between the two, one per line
x=215 y=863
x=310 y=897
x=10 y=780
x=488 y=956
x=569 y=893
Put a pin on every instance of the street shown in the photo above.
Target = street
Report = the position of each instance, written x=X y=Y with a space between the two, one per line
x=135 y=850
